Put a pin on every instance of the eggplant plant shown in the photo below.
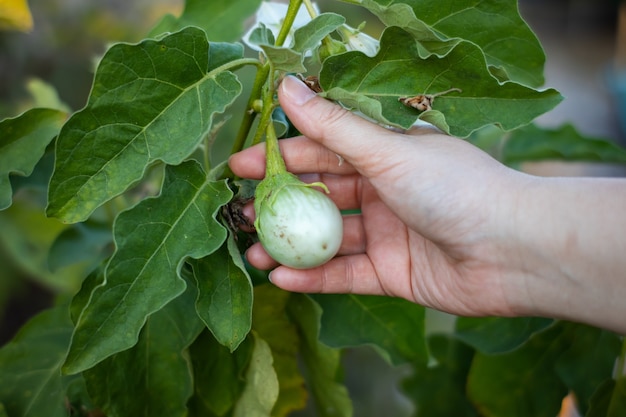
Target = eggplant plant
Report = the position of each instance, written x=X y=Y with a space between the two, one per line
x=166 y=317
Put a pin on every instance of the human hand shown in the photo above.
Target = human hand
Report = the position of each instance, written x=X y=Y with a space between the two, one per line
x=431 y=223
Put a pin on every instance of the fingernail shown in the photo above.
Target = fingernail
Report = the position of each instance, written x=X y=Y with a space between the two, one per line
x=296 y=90
x=269 y=276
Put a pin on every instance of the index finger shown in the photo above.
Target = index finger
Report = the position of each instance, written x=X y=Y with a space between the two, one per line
x=301 y=155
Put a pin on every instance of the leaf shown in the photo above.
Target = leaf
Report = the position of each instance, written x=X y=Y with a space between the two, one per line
x=218 y=375
x=284 y=59
x=261 y=391
x=224 y=294
x=309 y=36
x=272 y=323
x=609 y=400
x=261 y=35
x=521 y=383
x=223 y=21
x=498 y=334
x=153 y=238
x=31 y=383
x=371 y=85
x=532 y=143
x=323 y=364
x=23 y=143
x=15 y=15
x=393 y=325
x=153 y=101
x=439 y=390
x=153 y=378
x=503 y=35
x=26 y=237
x=86 y=242
x=587 y=362
x=45 y=95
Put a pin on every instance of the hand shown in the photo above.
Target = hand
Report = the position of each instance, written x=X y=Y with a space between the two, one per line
x=428 y=209
x=444 y=225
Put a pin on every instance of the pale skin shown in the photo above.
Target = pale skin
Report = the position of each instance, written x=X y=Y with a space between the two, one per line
x=445 y=225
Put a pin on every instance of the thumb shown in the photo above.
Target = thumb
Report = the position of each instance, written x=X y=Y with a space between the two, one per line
x=338 y=129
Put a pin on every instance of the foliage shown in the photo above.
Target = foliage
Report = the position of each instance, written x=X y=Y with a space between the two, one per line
x=166 y=318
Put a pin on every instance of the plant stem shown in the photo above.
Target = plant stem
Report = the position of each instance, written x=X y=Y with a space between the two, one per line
x=250 y=115
x=309 y=7
x=292 y=11
x=274 y=163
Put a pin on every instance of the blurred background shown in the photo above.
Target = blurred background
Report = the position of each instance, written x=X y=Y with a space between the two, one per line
x=585 y=44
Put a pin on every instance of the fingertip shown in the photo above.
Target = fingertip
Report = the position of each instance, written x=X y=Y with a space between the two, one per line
x=248 y=163
x=259 y=259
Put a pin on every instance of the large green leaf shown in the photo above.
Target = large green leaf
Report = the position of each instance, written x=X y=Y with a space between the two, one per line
x=218 y=375
x=372 y=86
x=224 y=294
x=151 y=101
x=272 y=323
x=439 y=390
x=498 y=334
x=533 y=143
x=394 y=325
x=523 y=382
x=152 y=239
x=222 y=20
x=494 y=26
x=22 y=144
x=588 y=361
x=261 y=390
x=609 y=400
x=323 y=363
x=153 y=378
x=31 y=383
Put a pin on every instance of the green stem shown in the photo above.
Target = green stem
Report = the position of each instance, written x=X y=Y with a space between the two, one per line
x=274 y=160
x=309 y=7
x=264 y=78
x=250 y=114
x=292 y=11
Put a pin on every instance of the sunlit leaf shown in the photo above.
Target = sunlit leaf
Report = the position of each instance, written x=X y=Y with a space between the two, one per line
x=153 y=377
x=393 y=325
x=323 y=363
x=22 y=144
x=498 y=334
x=225 y=294
x=151 y=101
x=15 y=15
x=372 y=86
x=153 y=238
x=261 y=391
x=533 y=143
x=222 y=20
x=45 y=95
x=31 y=384
x=494 y=26
x=273 y=325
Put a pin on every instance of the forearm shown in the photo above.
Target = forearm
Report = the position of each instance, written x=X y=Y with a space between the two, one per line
x=572 y=235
